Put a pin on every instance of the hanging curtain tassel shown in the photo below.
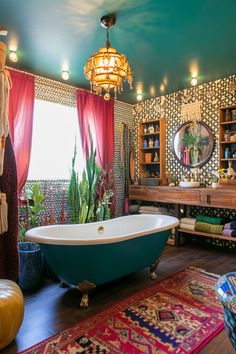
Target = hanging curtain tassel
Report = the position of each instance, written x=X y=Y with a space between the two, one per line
x=3 y=213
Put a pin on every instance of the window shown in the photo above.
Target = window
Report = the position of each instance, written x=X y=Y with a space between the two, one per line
x=55 y=130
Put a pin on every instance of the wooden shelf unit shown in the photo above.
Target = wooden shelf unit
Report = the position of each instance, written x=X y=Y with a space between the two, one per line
x=150 y=170
x=224 y=125
x=224 y=197
x=207 y=234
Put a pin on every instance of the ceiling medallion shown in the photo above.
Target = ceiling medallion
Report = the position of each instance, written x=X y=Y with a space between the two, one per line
x=107 y=68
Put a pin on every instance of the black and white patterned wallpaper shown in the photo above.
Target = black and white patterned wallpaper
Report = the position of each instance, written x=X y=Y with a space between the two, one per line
x=212 y=95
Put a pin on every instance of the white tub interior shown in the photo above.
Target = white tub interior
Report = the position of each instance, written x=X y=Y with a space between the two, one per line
x=114 y=230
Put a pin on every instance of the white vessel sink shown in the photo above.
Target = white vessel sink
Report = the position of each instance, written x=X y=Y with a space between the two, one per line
x=189 y=184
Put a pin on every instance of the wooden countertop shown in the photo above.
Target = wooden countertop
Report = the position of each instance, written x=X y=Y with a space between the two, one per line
x=222 y=197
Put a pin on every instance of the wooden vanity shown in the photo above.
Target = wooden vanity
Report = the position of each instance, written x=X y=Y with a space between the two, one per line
x=223 y=197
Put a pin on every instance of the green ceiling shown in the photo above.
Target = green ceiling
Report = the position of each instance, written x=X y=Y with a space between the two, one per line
x=161 y=38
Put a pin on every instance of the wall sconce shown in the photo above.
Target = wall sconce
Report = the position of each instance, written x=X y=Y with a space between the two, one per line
x=13 y=56
x=65 y=75
x=139 y=97
x=194 y=80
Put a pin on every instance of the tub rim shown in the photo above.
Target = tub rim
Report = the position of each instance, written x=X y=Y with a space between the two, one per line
x=34 y=236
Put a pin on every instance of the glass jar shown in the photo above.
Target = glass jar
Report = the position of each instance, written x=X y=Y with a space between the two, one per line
x=233 y=112
x=227 y=115
x=227 y=135
x=227 y=153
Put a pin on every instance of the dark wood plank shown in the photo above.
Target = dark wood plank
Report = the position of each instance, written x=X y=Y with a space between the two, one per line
x=51 y=309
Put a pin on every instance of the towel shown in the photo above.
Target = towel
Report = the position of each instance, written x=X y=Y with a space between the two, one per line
x=229 y=232
x=186 y=226
x=156 y=213
x=210 y=220
x=231 y=225
x=151 y=208
x=189 y=221
x=149 y=212
x=205 y=227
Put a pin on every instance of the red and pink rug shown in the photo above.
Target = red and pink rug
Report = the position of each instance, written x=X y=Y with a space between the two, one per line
x=179 y=314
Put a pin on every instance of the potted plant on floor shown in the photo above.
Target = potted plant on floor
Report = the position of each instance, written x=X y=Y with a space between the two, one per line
x=31 y=262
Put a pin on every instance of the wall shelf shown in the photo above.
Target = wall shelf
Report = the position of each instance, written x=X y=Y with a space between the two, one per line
x=151 y=148
x=229 y=159
x=149 y=163
x=226 y=127
x=206 y=234
x=229 y=122
x=151 y=159
x=147 y=134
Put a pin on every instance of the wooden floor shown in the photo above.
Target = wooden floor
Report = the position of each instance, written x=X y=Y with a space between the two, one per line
x=52 y=309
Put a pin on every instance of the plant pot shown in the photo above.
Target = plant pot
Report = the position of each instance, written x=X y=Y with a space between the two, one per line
x=31 y=266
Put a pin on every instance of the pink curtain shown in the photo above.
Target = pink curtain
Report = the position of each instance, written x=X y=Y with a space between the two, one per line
x=21 y=107
x=96 y=114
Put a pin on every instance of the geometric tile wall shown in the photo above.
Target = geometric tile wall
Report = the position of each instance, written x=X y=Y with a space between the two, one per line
x=212 y=95
x=122 y=115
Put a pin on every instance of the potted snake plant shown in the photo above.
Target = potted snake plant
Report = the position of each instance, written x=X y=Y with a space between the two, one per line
x=31 y=262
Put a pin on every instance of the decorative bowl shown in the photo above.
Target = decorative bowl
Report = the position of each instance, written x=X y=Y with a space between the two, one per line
x=188 y=184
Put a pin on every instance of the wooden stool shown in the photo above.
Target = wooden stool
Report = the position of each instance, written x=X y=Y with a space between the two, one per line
x=11 y=311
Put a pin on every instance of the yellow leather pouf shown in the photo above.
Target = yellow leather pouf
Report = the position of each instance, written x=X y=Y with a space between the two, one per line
x=11 y=311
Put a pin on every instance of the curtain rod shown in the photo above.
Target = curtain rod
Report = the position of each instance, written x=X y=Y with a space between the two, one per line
x=52 y=80
x=44 y=77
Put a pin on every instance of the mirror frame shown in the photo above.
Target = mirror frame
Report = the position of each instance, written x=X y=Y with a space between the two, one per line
x=207 y=158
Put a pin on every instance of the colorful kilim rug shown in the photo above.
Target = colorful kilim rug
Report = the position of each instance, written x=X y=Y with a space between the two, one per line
x=180 y=314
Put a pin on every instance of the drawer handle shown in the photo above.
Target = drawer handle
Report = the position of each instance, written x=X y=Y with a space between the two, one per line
x=208 y=199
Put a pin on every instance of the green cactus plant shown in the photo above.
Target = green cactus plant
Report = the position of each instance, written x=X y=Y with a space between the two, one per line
x=73 y=192
x=82 y=194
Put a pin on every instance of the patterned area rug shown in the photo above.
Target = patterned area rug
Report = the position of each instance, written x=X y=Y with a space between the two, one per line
x=180 y=314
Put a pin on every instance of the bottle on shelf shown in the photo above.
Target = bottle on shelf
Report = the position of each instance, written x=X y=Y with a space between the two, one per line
x=227 y=153
x=227 y=115
x=145 y=144
x=156 y=143
x=227 y=135
x=233 y=112
x=151 y=129
x=156 y=158
x=157 y=128
x=145 y=129
x=150 y=143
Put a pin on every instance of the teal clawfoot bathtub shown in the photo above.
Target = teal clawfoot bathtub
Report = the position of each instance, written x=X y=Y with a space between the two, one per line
x=87 y=255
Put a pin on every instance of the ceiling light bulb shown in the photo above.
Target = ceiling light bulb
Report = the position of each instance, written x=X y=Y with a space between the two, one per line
x=139 y=97
x=194 y=81
x=162 y=87
x=65 y=75
x=13 y=56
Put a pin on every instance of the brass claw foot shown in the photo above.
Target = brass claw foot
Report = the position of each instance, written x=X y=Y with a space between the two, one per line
x=153 y=275
x=153 y=268
x=84 y=301
x=85 y=287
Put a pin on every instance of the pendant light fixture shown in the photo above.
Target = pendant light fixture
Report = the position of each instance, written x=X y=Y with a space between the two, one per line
x=107 y=68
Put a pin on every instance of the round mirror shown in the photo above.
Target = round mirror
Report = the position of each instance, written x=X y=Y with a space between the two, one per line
x=193 y=144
